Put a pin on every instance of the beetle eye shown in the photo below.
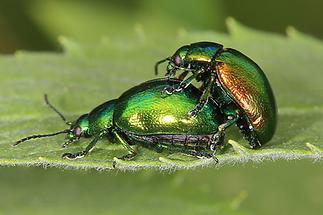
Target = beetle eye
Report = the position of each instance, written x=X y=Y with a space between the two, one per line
x=78 y=132
x=178 y=60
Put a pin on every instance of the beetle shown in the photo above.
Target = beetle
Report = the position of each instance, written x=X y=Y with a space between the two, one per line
x=141 y=116
x=234 y=81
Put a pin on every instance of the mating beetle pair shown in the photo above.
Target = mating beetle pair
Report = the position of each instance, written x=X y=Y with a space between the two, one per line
x=234 y=91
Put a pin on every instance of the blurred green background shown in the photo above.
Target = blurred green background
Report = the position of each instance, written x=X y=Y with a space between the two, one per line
x=36 y=24
x=279 y=187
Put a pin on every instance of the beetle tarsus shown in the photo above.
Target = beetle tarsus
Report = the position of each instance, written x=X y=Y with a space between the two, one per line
x=197 y=109
x=217 y=139
x=67 y=143
x=202 y=154
x=70 y=156
x=83 y=153
x=167 y=91
x=128 y=156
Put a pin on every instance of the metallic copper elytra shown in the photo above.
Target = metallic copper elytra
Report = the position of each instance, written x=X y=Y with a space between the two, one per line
x=247 y=84
x=240 y=90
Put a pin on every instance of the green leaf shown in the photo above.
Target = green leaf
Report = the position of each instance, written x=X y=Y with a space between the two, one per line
x=85 y=75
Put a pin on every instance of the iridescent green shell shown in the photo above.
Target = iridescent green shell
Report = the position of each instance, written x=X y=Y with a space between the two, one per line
x=142 y=111
x=202 y=52
x=101 y=117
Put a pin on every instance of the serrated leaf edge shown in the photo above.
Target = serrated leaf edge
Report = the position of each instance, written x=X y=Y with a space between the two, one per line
x=242 y=155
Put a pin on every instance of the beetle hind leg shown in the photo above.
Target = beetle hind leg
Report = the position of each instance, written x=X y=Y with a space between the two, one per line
x=249 y=133
x=202 y=154
x=68 y=142
x=217 y=139
x=123 y=140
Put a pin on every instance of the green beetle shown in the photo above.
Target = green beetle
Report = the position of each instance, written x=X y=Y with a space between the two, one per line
x=142 y=116
x=235 y=82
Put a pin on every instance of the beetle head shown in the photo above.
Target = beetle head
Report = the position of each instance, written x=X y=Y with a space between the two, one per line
x=175 y=62
x=178 y=59
x=78 y=129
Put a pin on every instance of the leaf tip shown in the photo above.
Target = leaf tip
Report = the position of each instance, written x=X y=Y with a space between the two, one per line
x=232 y=25
x=62 y=40
x=167 y=161
x=243 y=151
x=182 y=33
x=20 y=53
x=291 y=32
x=68 y=45
x=313 y=148
x=139 y=30
x=236 y=202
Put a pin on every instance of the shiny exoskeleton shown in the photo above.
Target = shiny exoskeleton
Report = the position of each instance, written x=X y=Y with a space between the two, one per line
x=142 y=116
x=235 y=82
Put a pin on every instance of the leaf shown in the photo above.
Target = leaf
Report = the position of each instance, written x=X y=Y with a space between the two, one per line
x=85 y=75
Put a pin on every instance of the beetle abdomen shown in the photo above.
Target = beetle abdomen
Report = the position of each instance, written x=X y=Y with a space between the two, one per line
x=248 y=86
x=173 y=141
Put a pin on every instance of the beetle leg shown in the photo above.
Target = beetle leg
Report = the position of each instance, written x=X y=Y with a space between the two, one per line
x=170 y=73
x=183 y=75
x=201 y=154
x=217 y=138
x=204 y=155
x=249 y=134
x=81 y=154
x=68 y=142
x=188 y=81
x=204 y=98
x=131 y=151
x=184 y=83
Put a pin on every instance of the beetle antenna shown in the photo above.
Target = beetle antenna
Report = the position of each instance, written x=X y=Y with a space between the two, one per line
x=54 y=109
x=160 y=62
x=39 y=136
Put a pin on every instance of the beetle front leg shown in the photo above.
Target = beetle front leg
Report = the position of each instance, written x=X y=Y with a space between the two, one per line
x=170 y=73
x=204 y=98
x=68 y=142
x=81 y=154
x=171 y=89
x=183 y=75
